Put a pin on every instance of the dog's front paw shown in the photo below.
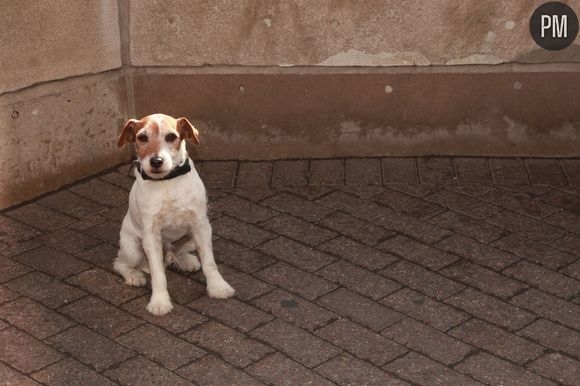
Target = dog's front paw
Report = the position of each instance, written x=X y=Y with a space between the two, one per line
x=220 y=289
x=136 y=278
x=160 y=307
x=187 y=262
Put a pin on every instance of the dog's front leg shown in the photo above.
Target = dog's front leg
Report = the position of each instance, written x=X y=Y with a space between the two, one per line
x=217 y=287
x=160 y=303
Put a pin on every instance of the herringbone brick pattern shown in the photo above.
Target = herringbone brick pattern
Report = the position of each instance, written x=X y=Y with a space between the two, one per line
x=430 y=271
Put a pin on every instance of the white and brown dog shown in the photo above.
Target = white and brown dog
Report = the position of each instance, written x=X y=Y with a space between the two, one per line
x=167 y=216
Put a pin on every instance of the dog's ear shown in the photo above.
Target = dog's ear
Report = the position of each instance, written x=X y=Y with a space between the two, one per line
x=187 y=131
x=128 y=133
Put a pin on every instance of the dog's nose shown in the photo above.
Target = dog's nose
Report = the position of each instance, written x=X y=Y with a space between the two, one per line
x=156 y=162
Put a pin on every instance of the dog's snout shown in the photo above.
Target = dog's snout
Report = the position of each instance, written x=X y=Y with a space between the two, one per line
x=156 y=162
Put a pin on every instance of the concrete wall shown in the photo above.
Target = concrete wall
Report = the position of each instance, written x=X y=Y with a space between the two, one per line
x=277 y=78
x=58 y=121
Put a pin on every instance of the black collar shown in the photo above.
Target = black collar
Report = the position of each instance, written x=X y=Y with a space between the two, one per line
x=176 y=172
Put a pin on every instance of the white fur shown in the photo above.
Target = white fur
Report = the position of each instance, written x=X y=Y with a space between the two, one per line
x=161 y=213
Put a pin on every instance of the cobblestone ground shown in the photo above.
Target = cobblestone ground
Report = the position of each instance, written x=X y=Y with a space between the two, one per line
x=430 y=271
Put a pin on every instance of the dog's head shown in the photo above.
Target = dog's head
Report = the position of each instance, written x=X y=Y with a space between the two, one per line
x=160 y=142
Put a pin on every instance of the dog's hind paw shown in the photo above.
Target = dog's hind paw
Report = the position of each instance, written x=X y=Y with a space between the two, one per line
x=136 y=278
x=220 y=290
x=187 y=262
x=160 y=307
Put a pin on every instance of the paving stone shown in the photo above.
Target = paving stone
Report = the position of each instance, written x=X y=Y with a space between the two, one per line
x=472 y=171
x=476 y=190
x=572 y=170
x=358 y=253
x=417 y=252
x=301 y=346
x=244 y=233
x=210 y=370
x=290 y=173
x=363 y=171
x=359 y=279
x=526 y=226
x=141 y=371
x=298 y=229
x=479 y=253
x=572 y=270
x=407 y=225
x=535 y=252
x=101 y=192
x=562 y=200
x=70 y=372
x=11 y=269
x=400 y=171
x=231 y=312
x=326 y=172
x=297 y=206
x=102 y=255
x=252 y=174
x=425 y=309
x=497 y=341
x=309 y=192
x=296 y=253
x=183 y=289
x=519 y=202
x=107 y=232
x=160 y=346
x=508 y=171
x=121 y=180
x=56 y=263
x=468 y=226
x=346 y=370
x=247 y=287
x=426 y=340
x=90 y=348
x=12 y=377
x=292 y=279
x=569 y=244
x=354 y=206
x=71 y=204
x=361 y=341
x=424 y=371
x=20 y=247
x=7 y=295
x=491 y=309
x=436 y=170
x=231 y=345
x=33 y=318
x=294 y=309
x=24 y=352
x=88 y=222
x=495 y=371
x=557 y=367
x=546 y=172
x=107 y=285
x=462 y=203
x=355 y=228
x=414 y=190
x=484 y=279
x=360 y=309
x=255 y=194
x=240 y=257
x=40 y=217
x=219 y=174
x=545 y=279
x=68 y=240
x=421 y=279
x=101 y=316
x=12 y=231
x=550 y=307
x=363 y=191
x=281 y=371
x=565 y=220
x=409 y=205
x=554 y=336
x=241 y=209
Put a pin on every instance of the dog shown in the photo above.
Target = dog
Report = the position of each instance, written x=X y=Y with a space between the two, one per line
x=167 y=216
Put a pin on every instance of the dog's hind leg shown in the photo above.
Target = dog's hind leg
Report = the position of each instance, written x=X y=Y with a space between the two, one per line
x=184 y=260
x=129 y=258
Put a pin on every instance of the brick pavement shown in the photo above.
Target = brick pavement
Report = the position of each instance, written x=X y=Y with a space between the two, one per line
x=430 y=271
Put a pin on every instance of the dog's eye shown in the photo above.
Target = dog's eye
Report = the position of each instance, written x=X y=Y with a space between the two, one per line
x=170 y=137
x=142 y=138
